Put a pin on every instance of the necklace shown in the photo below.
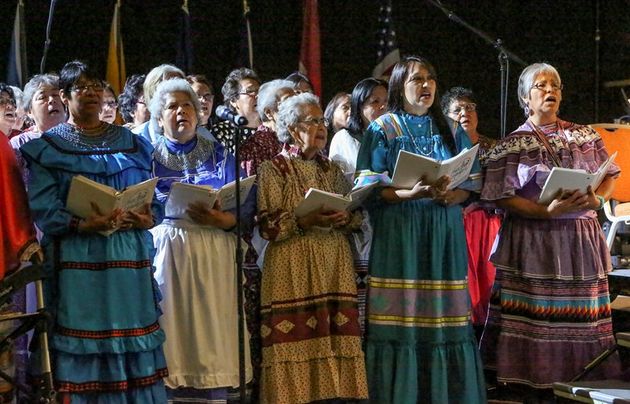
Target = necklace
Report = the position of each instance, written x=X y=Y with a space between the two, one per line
x=181 y=161
x=427 y=148
x=97 y=130
x=102 y=138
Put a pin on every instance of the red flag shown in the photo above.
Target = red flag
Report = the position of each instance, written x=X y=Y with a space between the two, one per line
x=310 y=57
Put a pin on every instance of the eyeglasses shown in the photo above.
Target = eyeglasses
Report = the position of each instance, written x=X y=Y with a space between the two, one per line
x=83 y=88
x=316 y=121
x=207 y=97
x=110 y=104
x=250 y=92
x=463 y=108
x=542 y=86
x=7 y=101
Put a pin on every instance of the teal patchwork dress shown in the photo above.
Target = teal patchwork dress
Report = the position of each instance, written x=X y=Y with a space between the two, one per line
x=420 y=345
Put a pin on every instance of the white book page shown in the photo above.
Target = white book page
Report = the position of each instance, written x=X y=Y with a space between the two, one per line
x=182 y=195
x=411 y=167
x=571 y=179
x=359 y=195
x=84 y=191
x=227 y=193
x=138 y=195
x=316 y=198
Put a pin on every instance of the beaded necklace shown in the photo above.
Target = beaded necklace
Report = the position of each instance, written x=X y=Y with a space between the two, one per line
x=427 y=149
x=87 y=139
x=180 y=161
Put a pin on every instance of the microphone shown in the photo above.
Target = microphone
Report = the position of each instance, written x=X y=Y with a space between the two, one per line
x=227 y=114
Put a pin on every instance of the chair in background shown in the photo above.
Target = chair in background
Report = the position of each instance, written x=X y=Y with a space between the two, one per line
x=616 y=138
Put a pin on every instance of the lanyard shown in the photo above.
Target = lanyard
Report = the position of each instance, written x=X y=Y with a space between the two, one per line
x=543 y=139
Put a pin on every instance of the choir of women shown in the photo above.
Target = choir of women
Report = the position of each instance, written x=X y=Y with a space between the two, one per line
x=144 y=305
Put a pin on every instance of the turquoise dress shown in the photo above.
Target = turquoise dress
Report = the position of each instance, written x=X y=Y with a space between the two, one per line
x=420 y=345
x=106 y=341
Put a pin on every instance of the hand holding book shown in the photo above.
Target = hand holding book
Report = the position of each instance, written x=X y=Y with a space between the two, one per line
x=324 y=218
x=200 y=213
x=572 y=201
x=97 y=222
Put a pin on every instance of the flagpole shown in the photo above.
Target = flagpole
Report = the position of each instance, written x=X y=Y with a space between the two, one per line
x=250 y=45
x=42 y=65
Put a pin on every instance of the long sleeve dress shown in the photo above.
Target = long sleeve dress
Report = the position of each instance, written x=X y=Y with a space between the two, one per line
x=419 y=344
x=550 y=311
x=17 y=234
x=196 y=273
x=310 y=329
x=106 y=341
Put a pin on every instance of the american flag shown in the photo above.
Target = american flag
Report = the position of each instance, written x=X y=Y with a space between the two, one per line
x=387 y=50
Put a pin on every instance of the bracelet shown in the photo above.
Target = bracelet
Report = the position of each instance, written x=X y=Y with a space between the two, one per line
x=299 y=230
x=601 y=200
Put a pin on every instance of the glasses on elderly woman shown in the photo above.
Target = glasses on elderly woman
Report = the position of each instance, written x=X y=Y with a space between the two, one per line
x=315 y=121
x=543 y=85
x=110 y=104
x=252 y=92
x=463 y=108
x=4 y=101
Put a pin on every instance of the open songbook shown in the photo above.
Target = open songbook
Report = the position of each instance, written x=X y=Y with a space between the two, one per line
x=316 y=198
x=181 y=195
x=84 y=191
x=410 y=167
x=571 y=179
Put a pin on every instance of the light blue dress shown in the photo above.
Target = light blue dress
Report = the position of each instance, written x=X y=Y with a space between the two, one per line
x=420 y=345
x=106 y=342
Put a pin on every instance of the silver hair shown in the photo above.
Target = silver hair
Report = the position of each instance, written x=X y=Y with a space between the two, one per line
x=18 y=95
x=290 y=112
x=34 y=84
x=526 y=81
x=168 y=87
x=155 y=76
x=268 y=96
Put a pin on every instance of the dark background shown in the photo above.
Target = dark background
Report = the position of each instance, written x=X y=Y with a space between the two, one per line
x=560 y=32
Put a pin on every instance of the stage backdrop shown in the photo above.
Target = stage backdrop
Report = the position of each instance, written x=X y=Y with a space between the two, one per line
x=561 y=32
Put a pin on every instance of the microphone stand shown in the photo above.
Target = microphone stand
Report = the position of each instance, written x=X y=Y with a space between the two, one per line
x=239 y=268
x=47 y=42
x=504 y=57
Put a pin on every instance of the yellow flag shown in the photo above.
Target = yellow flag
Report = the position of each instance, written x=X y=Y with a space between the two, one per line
x=116 y=74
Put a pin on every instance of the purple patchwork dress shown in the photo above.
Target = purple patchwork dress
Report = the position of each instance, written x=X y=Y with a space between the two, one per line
x=550 y=311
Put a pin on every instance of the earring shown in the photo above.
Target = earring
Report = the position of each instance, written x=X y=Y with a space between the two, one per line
x=526 y=108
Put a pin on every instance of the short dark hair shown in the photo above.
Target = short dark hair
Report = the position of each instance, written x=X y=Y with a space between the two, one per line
x=396 y=94
x=5 y=88
x=456 y=93
x=296 y=77
x=199 y=78
x=131 y=94
x=361 y=92
x=71 y=72
x=232 y=85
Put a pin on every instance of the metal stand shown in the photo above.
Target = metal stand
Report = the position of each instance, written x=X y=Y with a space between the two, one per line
x=44 y=392
x=239 y=269
x=504 y=57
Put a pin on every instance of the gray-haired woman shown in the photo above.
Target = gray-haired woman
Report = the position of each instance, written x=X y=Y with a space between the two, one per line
x=310 y=329
x=195 y=266
x=552 y=260
x=43 y=104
